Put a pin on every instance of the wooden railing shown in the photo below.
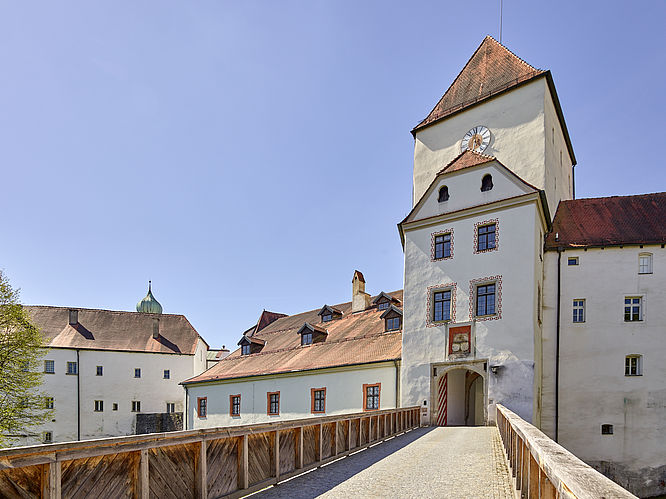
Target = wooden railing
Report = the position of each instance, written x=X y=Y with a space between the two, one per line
x=213 y=462
x=544 y=469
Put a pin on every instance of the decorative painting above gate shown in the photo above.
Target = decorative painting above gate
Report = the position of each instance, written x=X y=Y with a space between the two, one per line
x=460 y=341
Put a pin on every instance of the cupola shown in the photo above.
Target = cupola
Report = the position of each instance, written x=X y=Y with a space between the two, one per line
x=149 y=304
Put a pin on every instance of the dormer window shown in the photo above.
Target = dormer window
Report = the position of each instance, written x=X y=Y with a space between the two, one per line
x=383 y=305
x=384 y=301
x=443 y=194
x=486 y=183
x=312 y=334
x=392 y=318
x=250 y=344
x=329 y=313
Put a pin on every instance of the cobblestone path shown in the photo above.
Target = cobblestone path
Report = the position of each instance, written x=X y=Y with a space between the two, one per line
x=452 y=462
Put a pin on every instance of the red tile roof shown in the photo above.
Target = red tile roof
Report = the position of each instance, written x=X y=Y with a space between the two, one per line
x=609 y=221
x=492 y=69
x=359 y=274
x=266 y=318
x=114 y=330
x=466 y=159
x=356 y=338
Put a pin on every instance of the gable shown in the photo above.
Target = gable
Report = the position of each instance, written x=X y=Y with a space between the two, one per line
x=464 y=187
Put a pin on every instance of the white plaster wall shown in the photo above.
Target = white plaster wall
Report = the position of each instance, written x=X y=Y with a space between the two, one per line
x=593 y=388
x=344 y=395
x=117 y=384
x=516 y=122
x=559 y=180
x=465 y=190
x=508 y=341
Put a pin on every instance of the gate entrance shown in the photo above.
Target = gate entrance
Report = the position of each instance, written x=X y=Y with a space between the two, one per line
x=460 y=398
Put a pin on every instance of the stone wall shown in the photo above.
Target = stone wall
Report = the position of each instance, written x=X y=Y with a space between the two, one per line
x=159 y=422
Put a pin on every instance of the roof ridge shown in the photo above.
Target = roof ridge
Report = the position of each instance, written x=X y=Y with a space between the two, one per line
x=514 y=54
x=459 y=156
x=101 y=310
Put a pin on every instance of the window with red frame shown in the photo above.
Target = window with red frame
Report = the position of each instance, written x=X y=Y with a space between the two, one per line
x=273 y=403
x=202 y=407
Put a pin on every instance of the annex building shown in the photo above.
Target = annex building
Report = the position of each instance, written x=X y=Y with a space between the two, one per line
x=514 y=292
x=113 y=373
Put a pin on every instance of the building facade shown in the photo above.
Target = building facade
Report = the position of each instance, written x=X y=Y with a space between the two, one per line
x=112 y=373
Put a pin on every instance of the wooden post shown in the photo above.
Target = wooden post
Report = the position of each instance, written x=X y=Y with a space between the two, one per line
x=321 y=442
x=534 y=478
x=201 y=471
x=337 y=427
x=525 y=470
x=244 y=482
x=276 y=453
x=51 y=484
x=349 y=433
x=299 y=447
x=547 y=489
x=144 y=474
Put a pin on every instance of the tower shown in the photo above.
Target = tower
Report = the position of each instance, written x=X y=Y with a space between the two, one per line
x=492 y=160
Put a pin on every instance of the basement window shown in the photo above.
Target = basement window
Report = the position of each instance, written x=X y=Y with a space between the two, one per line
x=606 y=429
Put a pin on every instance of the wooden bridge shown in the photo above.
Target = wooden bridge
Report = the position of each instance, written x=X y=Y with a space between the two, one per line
x=236 y=461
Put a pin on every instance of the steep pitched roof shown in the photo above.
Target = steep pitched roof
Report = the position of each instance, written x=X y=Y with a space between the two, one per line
x=354 y=339
x=466 y=159
x=114 y=330
x=609 y=221
x=491 y=69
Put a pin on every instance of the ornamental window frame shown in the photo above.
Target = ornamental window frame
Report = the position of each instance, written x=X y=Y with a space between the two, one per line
x=318 y=400
x=430 y=305
x=273 y=403
x=480 y=225
x=372 y=397
x=434 y=243
x=473 y=290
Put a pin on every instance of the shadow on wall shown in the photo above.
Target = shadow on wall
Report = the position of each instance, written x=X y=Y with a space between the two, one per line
x=337 y=472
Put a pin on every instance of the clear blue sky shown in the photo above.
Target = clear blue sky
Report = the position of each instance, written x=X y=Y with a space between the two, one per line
x=249 y=155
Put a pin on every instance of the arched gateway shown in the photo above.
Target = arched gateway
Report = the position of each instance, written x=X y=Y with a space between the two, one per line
x=459 y=395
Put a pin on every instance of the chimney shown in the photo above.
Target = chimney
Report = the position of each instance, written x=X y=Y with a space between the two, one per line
x=360 y=299
x=156 y=327
x=73 y=317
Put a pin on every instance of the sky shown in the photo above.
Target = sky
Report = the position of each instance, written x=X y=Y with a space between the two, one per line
x=251 y=155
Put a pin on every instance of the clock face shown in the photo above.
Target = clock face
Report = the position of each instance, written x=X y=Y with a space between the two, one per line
x=477 y=139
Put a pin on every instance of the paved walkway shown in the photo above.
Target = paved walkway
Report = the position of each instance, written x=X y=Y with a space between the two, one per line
x=452 y=462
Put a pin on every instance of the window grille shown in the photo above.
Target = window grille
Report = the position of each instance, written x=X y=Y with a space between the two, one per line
x=235 y=405
x=49 y=366
x=372 y=397
x=274 y=403
x=319 y=402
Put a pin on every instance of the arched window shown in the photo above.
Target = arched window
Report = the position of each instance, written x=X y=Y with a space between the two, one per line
x=443 y=194
x=486 y=183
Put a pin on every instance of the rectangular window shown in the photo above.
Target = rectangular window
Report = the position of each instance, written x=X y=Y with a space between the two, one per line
x=72 y=368
x=49 y=367
x=306 y=339
x=100 y=370
x=442 y=305
x=383 y=305
x=633 y=365
x=485 y=299
x=234 y=405
x=442 y=246
x=606 y=429
x=202 y=407
x=47 y=437
x=572 y=260
x=115 y=406
x=633 y=308
x=171 y=407
x=318 y=399
x=579 y=310
x=486 y=237
x=137 y=372
x=273 y=403
x=136 y=406
x=48 y=403
x=371 y=397
x=327 y=317
x=99 y=405
x=645 y=263
x=167 y=374
x=245 y=350
x=393 y=324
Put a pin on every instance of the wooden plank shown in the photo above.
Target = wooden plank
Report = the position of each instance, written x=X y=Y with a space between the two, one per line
x=276 y=454
x=320 y=447
x=288 y=452
x=337 y=431
x=349 y=434
x=245 y=472
x=310 y=437
x=144 y=475
x=260 y=460
x=222 y=463
x=201 y=469
x=55 y=477
x=533 y=487
x=299 y=449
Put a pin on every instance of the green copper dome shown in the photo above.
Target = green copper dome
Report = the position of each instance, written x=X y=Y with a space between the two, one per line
x=149 y=304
